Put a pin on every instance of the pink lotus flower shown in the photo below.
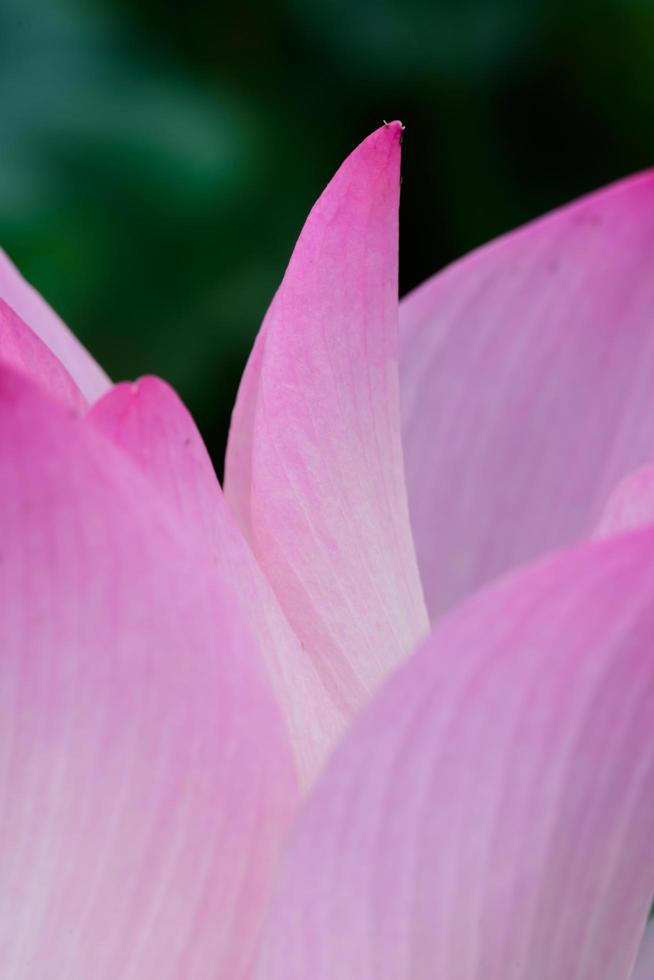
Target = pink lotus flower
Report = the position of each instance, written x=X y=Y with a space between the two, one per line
x=175 y=668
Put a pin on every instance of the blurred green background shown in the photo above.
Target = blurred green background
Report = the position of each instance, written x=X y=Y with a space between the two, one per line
x=157 y=160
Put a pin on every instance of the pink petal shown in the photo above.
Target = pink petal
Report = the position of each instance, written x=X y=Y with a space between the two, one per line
x=33 y=309
x=21 y=348
x=241 y=442
x=527 y=373
x=314 y=461
x=645 y=964
x=149 y=422
x=146 y=782
x=631 y=504
x=490 y=813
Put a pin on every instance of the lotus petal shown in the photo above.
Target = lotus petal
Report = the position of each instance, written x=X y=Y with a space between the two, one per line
x=645 y=963
x=33 y=309
x=23 y=350
x=490 y=813
x=527 y=380
x=314 y=466
x=146 y=778
x=631 y=504
x=149 y=422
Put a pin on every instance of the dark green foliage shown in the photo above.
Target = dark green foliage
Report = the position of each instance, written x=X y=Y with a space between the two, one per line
x=157 y=160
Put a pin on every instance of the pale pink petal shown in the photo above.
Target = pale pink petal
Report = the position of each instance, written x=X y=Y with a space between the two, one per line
x=22 y=349
x=631 y=504
x=527 y=383
x=32 y=308
x=145 y=778
x=490 y=814
x=645 y=963
x=316 y=431
x=150 y=423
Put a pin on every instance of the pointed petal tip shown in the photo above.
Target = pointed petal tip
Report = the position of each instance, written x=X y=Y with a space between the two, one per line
x=376 y=158
x=150 y=384
x=129 y=406
x=130 y=394
x=329 y=335
x=387 y=137
x=395 y=128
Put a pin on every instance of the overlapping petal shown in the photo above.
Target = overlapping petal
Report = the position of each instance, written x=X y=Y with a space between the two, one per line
x=527 y=372
x=631 y=504
x=314 y=466
x=490 y=813
x=149 y=422
x=24 y=350
x=32 y=308
x=645 y=963
x=146 y=781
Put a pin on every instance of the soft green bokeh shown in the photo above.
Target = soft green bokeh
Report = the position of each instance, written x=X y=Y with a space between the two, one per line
x=157 y=161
